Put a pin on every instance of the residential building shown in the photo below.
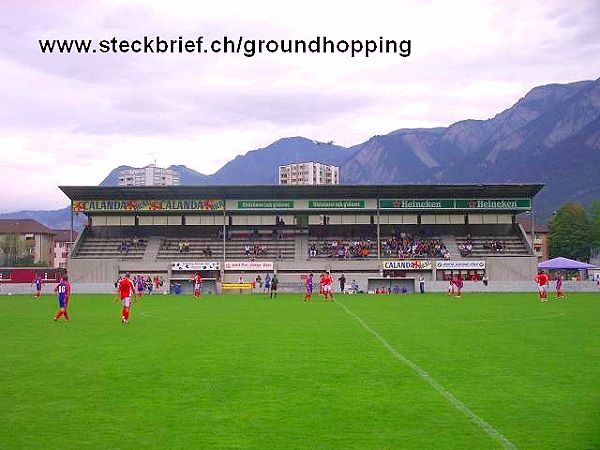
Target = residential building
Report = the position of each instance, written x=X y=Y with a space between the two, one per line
x=62 y=246
x=149 y=176
x=540 y=242
x=308 y=173
x=36 y=240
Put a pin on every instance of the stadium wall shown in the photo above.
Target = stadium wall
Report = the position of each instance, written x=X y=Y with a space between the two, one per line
x=508 y=268
x=431 y=286
x=499 y=269
x=93 y=270
x=514 y=286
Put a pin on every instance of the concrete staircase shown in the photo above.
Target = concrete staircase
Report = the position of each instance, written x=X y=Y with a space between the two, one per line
x=302 y=247
x=450 y=243
x=152 y=249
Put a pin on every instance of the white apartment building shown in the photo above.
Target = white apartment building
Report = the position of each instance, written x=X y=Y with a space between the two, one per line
x=149 y=176
x=308 y=173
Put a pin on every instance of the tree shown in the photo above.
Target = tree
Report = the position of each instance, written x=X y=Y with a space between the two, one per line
x=570 y=233
x=12 y=247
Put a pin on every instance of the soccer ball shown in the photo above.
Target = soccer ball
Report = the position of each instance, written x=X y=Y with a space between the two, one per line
x=10 y=293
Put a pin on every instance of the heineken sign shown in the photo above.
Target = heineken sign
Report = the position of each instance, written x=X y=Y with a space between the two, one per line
x=135 y=205
x=494 y=203
x=265 y=204
x=439 y=204
x=417 y=204
x=336 y=204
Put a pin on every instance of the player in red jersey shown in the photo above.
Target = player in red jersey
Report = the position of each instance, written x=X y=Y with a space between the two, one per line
x=321 y=291
x=126 y=290
x=328 y=286
x=542 y=281
x=197 y=280
x=458 y=282
x=451 y=285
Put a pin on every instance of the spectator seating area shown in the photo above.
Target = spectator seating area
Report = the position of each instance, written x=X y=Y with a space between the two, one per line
x=261 y=248
x=199 y=243
x=408 y=246
x=240 y=245
x=184 y=248
x=111 y=248
x=491 y=246
x=341 y=248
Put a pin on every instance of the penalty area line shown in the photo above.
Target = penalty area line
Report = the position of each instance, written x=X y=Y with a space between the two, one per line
x=481 y=423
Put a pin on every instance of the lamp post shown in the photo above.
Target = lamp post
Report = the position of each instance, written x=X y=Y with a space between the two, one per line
x=533 y=230
x=532 y=237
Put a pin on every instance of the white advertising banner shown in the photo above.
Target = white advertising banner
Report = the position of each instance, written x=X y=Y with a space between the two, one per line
x=249 y=265
x=195 y=265
x=451 y=265
x=416 y=264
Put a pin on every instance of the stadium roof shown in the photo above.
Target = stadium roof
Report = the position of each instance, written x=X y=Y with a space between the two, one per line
x=23 y=226
x=343 y=191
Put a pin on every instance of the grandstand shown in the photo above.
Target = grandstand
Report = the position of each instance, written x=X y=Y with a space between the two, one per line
x=369 y=233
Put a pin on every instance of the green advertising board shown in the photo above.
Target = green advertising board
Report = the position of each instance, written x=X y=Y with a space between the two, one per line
x=449 y=203
x=336 y=204
x=265 y=204
x=494 y=203
x=410 y=203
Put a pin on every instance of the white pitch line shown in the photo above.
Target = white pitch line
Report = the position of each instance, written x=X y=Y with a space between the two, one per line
x=490 y=430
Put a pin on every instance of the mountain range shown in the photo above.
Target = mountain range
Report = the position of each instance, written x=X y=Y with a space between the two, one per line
x=551 y=135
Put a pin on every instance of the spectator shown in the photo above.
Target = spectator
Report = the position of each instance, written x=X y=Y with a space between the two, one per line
x=407 y=246
x=124 y=248
x=181 y=245
x=207 y=251
x=342 y=281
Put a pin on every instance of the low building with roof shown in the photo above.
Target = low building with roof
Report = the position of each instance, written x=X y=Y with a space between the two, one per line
x=36 y=239
x=63 y=240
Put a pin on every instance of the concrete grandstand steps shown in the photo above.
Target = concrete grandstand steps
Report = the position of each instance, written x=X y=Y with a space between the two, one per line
x=152 y=248
x=302 y=246
x=451 y=245
x=108 y=248
x=513 y=246
x=169 y=249
x=277 y=249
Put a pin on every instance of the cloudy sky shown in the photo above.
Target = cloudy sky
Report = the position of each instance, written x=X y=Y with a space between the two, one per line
x=70 y=119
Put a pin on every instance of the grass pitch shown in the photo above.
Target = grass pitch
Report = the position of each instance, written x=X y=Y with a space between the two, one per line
x=243 y=371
